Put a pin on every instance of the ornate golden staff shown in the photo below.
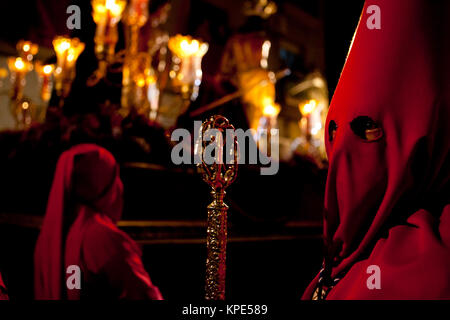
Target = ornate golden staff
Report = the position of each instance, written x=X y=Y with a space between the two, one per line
x=219 y=175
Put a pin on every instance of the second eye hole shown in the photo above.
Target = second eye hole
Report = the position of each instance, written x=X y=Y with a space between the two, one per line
x=366 y=128
x=363 y=126
x=332 y=127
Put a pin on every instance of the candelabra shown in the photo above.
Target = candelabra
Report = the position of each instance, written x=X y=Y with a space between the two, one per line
x=137 y=74
x=59 y=76
x=106 y=15
x=306 y=109
x=166 y=90
x=21 y=107
x=270 y=111
x=45 y=73
x=186 y=72
x=19 y=69
x=67 y=52
x=311 y=96
x=218 y=175
x=27 y=50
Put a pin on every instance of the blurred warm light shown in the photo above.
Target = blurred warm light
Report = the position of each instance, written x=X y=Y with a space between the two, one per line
x=185 y=46
x=104 y=10
x=61 y=44
x=67 y=50
x=19 y=64
x=270 y=108
x=189 y=48
x=136 y=13
x=151 y=79
x=262 y=8
x=315 y=130
x=185 y=88
x=308 y=107
x=45 y=73
x=48 y=69
x=27 y=49
x=270 y=9
x=114 y=7
x=265 y=54
x=186 y=70
x=106 y=15
x=3 y=73
x=140 y=82
x=318 y=82
x=44 y=70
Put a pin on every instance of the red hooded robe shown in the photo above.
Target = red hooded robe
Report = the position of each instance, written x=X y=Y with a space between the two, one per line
x=387 y=201
x=79 y=229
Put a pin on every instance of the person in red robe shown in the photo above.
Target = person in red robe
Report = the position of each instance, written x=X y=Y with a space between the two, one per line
x=79 y=231
x=387 y=200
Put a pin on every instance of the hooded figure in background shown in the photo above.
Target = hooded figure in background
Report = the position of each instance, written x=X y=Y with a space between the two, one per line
x=387 y=201
x=79 y=229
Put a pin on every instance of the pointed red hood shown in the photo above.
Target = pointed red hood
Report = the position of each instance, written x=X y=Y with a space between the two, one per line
x=388 y=144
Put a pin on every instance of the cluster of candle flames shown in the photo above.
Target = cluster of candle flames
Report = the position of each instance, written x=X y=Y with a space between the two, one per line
x=140 y=85
x=186 y=74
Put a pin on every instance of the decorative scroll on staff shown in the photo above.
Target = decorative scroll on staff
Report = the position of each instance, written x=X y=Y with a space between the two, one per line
x=219 y=175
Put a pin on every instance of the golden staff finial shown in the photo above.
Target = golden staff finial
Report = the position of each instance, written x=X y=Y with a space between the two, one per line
x=219 y=175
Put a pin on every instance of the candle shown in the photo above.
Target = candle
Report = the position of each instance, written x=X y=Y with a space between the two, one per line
x=45 y=73
x=27 y=50
x=137 y=13
x=186 y=73
x=19 y=68
x=67 y=52
x=270 y=112
x=306 y=109
x=106 y=14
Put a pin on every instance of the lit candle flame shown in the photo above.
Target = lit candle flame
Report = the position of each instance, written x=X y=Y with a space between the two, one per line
x=19 y=64
x=308 y=107
x=185 y=46
x=67 y=50
x=270 y=108
x=110 y=8
x=47 y=69
x=27 y=49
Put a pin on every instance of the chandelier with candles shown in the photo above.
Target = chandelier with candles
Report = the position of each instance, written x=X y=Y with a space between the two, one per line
x=162 y=80
x=143 y=88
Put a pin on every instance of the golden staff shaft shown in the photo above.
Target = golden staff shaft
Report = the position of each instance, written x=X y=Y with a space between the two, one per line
x=216 y=242
x=218 y=176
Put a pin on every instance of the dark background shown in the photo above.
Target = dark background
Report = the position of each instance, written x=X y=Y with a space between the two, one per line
x=275 y=248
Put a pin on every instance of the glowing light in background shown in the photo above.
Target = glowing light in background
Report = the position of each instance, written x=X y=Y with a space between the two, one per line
x=265 y=54
x=308 y=107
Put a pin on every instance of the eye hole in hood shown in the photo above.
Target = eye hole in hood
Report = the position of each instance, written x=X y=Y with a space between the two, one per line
x=366 y=128
x=332 y=127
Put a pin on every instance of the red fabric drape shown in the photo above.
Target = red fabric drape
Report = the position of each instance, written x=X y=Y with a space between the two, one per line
x=387 y=202
x=3 y=294
x=79 y=229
